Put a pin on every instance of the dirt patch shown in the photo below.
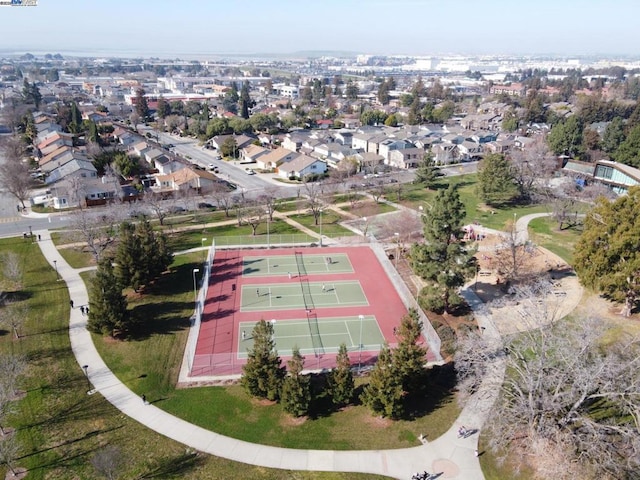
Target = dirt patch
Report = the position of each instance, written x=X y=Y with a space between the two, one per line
x=378 y=422
x=292 y=421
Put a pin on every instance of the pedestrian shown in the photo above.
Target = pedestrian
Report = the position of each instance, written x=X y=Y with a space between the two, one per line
x=289 y=273
x=144 y=399
x=330 y=261
x=82 y=310
x=86 y=310
x=475 y=453
x=71 y=303
x=257 y=292
x=39 y=237
x=323 y=287
x=244 y=335
x=395 y=331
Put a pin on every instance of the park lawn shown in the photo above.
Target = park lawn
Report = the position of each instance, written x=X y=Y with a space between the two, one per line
x=292 y=205
x=330 y=223
x=76 y=257
x=60 y=427
x=193 y=238
x=369 y=208
x=544 y=232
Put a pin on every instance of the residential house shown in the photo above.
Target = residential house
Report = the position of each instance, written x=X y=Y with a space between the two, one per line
x=293 y=142
x=390 y=144
x=65 y=156
x=54 y=140
x=405 y=157
x=275 y=158
x=252 y=152
x=445 y=153
x=185 y=179
x=514 y=89
x=302 y=166
x=74 y=168
x=369 y=162
x=469 y=151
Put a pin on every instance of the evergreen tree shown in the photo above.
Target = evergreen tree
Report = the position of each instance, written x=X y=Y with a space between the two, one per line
x=296 y=390
x=108 y=307
x=496 y=182
x=92 y=133
x=383 y=93
x=76 y=118
x=444 y=260
x=566 y=138
x=384 y=394
x=341 y=384
x=31 y=93
x=163 y=109
x=230 y=100
x=128 y=257
x=409 y=357
x=262 y=374
x=142 y=106
x=629 y=150
x=613 y=135
x=427 y=174
x=352 y=90
x=245 y=100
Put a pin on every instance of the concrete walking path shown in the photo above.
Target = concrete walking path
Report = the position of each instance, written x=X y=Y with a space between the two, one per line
x=449 y=455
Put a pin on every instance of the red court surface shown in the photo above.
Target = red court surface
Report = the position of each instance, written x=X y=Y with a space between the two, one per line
x=216 y=349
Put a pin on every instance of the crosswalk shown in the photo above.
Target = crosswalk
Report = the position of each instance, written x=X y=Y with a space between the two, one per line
x=10 y=219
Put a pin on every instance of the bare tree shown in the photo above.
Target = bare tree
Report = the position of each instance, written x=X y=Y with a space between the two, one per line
x=12 y=367
x=532 y=167
x=270 y=200
x=252 y=213
x=405 y=223
x=314 y=193
x=15 y=178
x=223 y=197
x=12 y=269
x=7 y=407
x=98 y=229
x=378 y=190
x=513 y=257
x=107 y=462
x=13 y=315
x=570 y=404
x=9 y=450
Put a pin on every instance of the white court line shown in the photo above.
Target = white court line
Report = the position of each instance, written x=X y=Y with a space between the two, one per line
x=335 y=292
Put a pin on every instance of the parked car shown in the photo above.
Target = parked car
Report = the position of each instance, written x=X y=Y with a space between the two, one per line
x=206 y=205
x=250 y=172
x=177 y=209
x=211 y=166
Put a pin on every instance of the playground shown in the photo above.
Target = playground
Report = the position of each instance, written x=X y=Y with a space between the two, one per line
x=315 y=299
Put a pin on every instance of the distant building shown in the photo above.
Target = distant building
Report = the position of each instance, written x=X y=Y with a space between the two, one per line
x=617 y=176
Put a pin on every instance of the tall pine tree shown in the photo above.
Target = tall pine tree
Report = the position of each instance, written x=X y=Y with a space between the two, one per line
x=341 y=384
x=108 y=307
x=296 y=390
x=263 y=373
x=409 y=357
x=496 y=181
x=384 y=393
x=444 y=260
x=427 y=174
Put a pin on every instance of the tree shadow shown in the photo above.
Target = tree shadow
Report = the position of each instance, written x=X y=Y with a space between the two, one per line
x=435 y=388
x=157 y=318
x=175 y=467
x=18 y=295
x=81 y=410
x=178 y=280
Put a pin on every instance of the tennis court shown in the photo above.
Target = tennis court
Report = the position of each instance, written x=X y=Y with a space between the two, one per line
x=302 y=295
x=318 y=336
x=284 y=265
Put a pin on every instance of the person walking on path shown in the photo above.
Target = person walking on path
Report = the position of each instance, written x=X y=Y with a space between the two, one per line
x=144 y=399
x=71 y=303
x=244 y=335
x=289 y=273
x=324 y=288
x=257 y=292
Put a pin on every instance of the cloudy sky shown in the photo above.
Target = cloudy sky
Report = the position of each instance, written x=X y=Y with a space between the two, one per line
x=417 y=27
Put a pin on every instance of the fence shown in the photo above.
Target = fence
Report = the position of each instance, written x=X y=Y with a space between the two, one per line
x=196 y=320
x=261 y=240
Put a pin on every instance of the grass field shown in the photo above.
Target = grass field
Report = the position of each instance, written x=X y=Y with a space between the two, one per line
x=60 y=427
x=545 y=232
x=330 y=227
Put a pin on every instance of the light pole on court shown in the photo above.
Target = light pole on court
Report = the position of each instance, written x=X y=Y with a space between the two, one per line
x=397 y=235
x=268 y=238
x=361 y=317
x=195 y=291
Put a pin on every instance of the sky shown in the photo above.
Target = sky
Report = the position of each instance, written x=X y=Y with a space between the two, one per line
x=166 y=28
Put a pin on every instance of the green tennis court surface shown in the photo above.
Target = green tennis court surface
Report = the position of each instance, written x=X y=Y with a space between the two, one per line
x=318 y=335
x=286 y=264
x=302 y=295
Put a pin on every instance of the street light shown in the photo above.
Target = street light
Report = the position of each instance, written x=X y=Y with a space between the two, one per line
x=55 y=264
x=397 y=235
x=86 y=374
x=361 y=317
x=268 y=238
x=321 y=227
x=195 y=292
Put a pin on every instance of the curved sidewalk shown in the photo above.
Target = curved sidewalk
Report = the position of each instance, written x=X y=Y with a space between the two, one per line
x=454 y=458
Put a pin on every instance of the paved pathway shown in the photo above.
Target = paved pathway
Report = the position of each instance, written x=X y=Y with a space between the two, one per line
x=454 y=458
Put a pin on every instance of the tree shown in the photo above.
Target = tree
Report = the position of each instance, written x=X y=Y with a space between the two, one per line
x=383 y=93
x=532 y=169
x=99 y=230
x=142 y=254
x=496 y=183
x=629 y=150
x=510 y=121
x=142 y=106
x=384 y=394
x=229 y=148
x=108 y=313
x=409 y=357
x=12 y=270
x=251 y=213
x=607 y=255
x=14 y=172
x=341 y=384
x=570 y=400
x=107 y=462
x=296 y=390
x=566 y=138
x=163 y=109
x=513 y=257
x=31 y=93
x=613 y=135
x=314 y=194
x=262 y=375
x=9 y=450
x=352 y=91
x=373 y=117
x=230 y=100
x=223 y=197
x=13 y=315
x=427 y=174
x=245 y=100
x=444 y=260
